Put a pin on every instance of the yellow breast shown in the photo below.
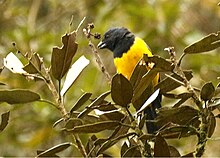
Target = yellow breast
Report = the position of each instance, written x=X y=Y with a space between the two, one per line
x=126 y=64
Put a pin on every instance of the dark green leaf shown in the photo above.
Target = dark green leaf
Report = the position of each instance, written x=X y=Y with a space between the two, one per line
x=121 y=90
x=34 y=65
x=56 y=149
x=95 y=127
x=169 y=84
x=4 y=120
x=174 y=152
x=207 y=91
x=73 y=122
x=161 y=148
x=146 y=80
x=161 y=64
x=18 y=96
x=138 y=73
x=85 y=97
x=124 y=148
x=208 y=43
x=62 y=57
x=133 y=151
x=96 y=102
x=212 y=125
x=109 y=143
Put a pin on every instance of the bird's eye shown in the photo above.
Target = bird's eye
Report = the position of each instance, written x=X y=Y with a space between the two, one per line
x=107 y=36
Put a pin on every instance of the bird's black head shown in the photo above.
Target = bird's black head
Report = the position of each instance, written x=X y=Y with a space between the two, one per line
x=119 y=40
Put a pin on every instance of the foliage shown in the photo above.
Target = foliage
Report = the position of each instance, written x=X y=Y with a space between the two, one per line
x=99 y=122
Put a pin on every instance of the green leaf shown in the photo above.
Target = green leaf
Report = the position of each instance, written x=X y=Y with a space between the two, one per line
x=18 y=96
x=95 y=127
x=161 y=64
x=174 y=152
x=34 y=65
x=212 y=125
x=4 y=120
x=124 y=148
x=208 y=43
x=62 y=57
x=133 y=151
x=138 y=73
x=73 y=122
x=143 y=84
x=56 y=149
x=121 y=90
x=96 y=102
x=207 y=91
x=161 y=148
x=85 y=97
x=169 y=84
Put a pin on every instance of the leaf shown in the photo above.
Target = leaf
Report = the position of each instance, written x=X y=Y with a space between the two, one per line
x=4 y=120
x=109 y=143
x=34 y=65
x=124 y=148
x=133 y=151
x=121 y=90
x=95 y=127
x=161 y=64
x=12 y=63
x=96 y=102
x=85 y=97
x=56 y=149
x=149 y=101
x=207 y=91
x=174 y=152
x=73 y=73
x=73 y=122
x=169 y=84
x=208 y=43
x=144 y=83
x=161 y=148
x=18 y=96
x=139 y=71
x=178 y=116
x=212 y=124
x=62 y=57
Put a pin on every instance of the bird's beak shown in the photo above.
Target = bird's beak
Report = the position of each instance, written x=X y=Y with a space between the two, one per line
x=101 y=45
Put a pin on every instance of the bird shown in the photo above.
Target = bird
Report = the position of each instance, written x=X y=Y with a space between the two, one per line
x=128 y=50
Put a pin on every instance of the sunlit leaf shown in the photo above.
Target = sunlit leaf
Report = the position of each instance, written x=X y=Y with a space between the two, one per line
x=18 y=96
x=207 y=91
x=62 y=57
x=95 y=127
x=56 y=149
x=161 y=148
x=208 y=43
x=73 y=73
x=12 y=63
x=4 y=120
x=85 y=97
x=121 y=90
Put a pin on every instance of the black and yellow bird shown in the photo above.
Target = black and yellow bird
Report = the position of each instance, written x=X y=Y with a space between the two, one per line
x=128 y=50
